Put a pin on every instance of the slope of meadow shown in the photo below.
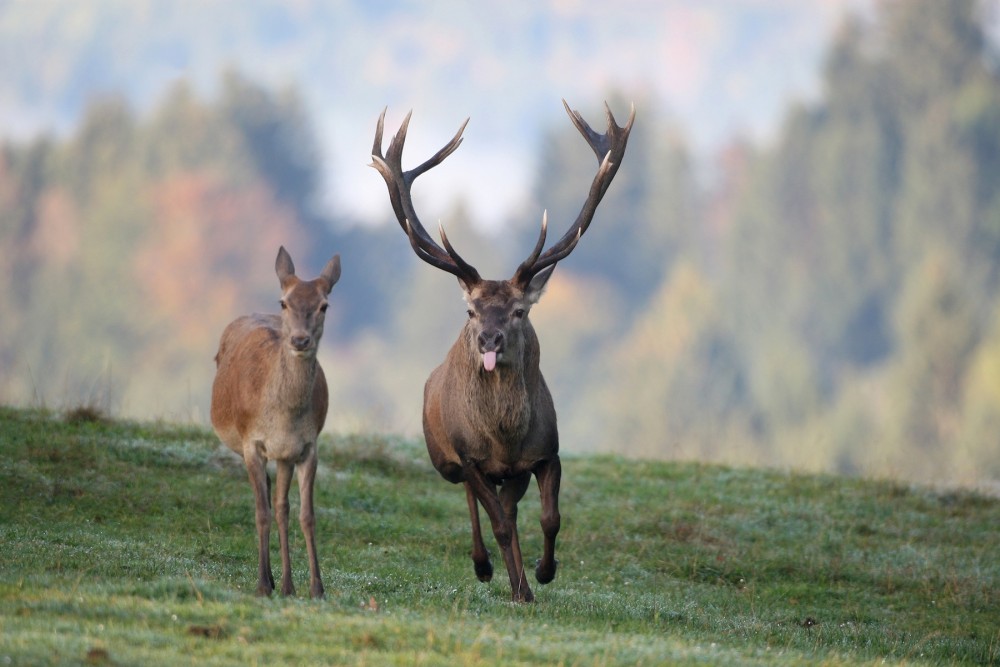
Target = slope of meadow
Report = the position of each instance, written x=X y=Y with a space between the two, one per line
x=132 y=543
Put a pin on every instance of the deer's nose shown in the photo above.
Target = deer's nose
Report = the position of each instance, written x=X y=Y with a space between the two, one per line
x=490 y=340
x=300 y=342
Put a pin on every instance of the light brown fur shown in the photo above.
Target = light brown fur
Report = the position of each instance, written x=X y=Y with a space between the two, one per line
x=269 y=403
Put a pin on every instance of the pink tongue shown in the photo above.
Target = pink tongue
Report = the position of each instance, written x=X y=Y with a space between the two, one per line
x=489 y=360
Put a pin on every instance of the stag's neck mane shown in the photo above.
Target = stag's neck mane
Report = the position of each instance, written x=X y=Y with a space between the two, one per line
x=501 y=401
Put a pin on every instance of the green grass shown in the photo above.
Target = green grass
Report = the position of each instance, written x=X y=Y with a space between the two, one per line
x=133 y=544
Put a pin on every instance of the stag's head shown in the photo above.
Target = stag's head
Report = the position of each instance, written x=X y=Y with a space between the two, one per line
x=303 y=303
x=498 y=309
x=498 y=319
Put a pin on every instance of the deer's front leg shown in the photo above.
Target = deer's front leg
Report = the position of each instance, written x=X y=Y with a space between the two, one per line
x=257 y=470
x=284 y=482
x=548 y=473
x=503 y=530
x=307 y=519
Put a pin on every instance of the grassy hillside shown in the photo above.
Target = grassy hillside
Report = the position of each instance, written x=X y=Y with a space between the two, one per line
x=127 y=543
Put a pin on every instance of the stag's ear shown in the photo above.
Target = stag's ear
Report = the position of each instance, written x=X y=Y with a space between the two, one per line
x=283 y=267
x=466 y=287
x=331 y=273
x=537 y=285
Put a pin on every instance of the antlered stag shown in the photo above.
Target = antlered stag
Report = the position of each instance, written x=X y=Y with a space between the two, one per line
x=269 y=402
x=488 y=416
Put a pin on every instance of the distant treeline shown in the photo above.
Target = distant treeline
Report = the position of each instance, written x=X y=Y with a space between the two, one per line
x=829 y=301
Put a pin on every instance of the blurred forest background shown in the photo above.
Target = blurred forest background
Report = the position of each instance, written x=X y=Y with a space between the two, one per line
x=826 y=297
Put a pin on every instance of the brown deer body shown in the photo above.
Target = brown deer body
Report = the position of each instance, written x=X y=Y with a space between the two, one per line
x=269 y=403
x=488 y=418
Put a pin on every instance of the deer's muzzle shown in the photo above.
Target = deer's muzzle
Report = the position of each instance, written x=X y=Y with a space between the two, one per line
x=300 y=342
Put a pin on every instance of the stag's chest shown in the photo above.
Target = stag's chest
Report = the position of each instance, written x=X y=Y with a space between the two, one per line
x=500 y=415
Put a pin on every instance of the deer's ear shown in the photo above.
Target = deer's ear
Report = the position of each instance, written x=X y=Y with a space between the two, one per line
x=537 y=285
x=331 y=272
x=284 y=267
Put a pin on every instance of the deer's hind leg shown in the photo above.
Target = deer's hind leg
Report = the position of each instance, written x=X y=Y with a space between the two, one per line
x=261 y=483
x=284 y=482
x=307 y=520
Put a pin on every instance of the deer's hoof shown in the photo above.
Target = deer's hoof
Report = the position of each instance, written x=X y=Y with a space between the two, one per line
x=316 y=591
x=545 y=574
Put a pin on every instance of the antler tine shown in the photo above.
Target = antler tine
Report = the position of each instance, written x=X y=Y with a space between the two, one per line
x=377 y=146
x=439 y=157
x=598 y=142
x=467 y=269
x=609 y=149
x=399 y=183
x=435 y=261
x=533 y=257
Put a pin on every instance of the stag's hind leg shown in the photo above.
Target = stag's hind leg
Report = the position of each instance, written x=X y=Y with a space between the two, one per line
x=480 y=556
x=548 y=473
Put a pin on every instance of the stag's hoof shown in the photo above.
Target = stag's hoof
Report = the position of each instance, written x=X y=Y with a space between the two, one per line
x=263 y=590
x=545 y=574
x=287 y=590
x=523 y=596
x=484 y=570
x=316 y=591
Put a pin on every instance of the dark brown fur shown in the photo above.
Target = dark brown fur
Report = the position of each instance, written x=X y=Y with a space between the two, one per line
x=492 y=426
x=486 y=429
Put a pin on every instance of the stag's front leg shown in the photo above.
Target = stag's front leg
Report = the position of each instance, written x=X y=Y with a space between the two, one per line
x=480 y=556
x=307 y=519
x=261 y=483
x=510 y=494
x=284 y=482
x=503 y=530
x=548 y=473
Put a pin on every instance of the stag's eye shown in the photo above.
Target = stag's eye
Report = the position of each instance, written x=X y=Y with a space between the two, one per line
x=519 y=313
x=283 y=304
x=471 y=313
x=323 y=308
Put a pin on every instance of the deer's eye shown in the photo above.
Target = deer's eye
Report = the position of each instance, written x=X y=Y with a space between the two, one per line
x=471 y=313
x=519 y=313
x=283 y=304
x=323 y=308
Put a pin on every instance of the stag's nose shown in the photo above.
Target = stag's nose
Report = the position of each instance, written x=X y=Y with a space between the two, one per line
x=301 y=342
x=490 y=341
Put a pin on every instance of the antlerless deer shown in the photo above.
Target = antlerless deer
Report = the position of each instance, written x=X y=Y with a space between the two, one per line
x=488 y=416
x=269 y=402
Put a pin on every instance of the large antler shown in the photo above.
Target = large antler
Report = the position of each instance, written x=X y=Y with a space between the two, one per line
x=609 y=148
x=399 y=183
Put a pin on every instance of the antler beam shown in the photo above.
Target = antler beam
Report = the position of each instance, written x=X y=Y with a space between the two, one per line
x=609 y=149
x=399 y=183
